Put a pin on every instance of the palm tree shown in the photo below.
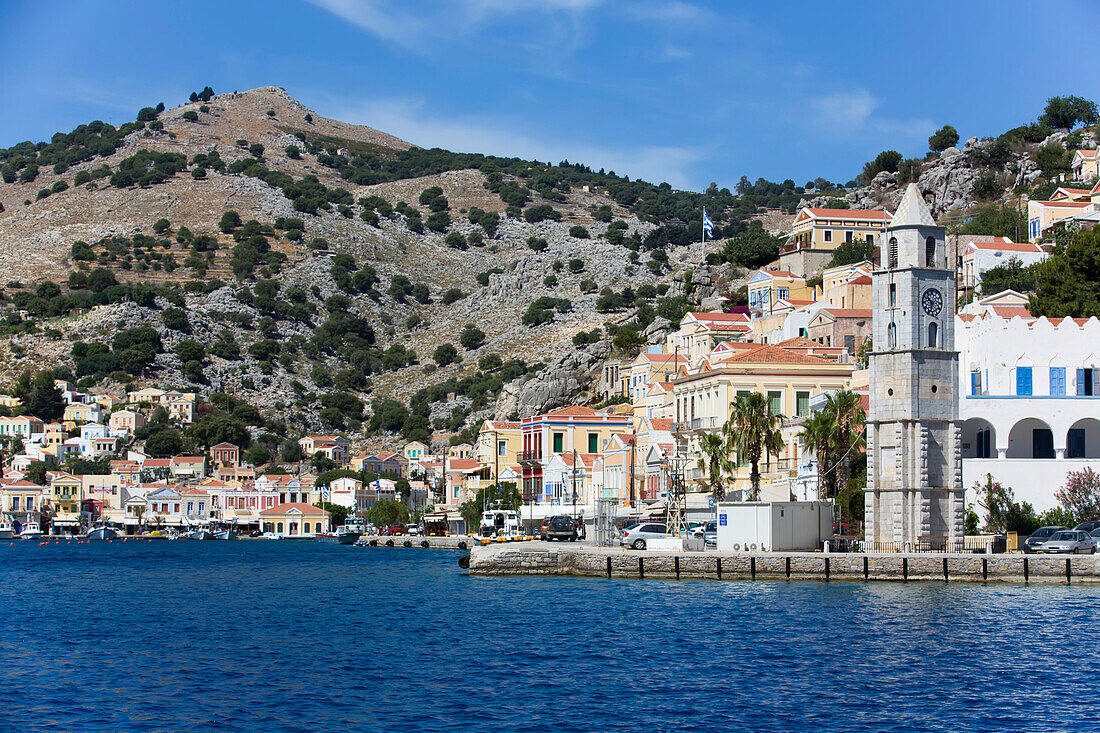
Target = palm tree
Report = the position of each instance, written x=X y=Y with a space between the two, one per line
x=817 y=435
x=752 y=430
x=139 y=512
x=714 y=458
x=848 y=420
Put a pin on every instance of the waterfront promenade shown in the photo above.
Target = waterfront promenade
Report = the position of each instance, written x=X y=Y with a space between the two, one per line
x=541 y=558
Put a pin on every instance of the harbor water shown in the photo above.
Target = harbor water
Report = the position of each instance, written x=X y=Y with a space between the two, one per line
x=301 y=636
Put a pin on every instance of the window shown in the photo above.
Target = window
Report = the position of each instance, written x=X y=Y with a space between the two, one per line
x=1042 y=443
x=279 y=527
x=1023 y=381
x=502 y=446
x=782 y=293
x=559 y=442
x=775 y=403
x=1075 y=443
x=1057 y=380
x=1086 y=381
x=849 y=236
x=15 y=503
x=933 y=334
x=893 y=294
x=893 y=253
x=869 y=238
x=892 y=336
x=593 y=442
x=983 y=447
x=802 y=332
x=850 y=344
x=976 y=384
x=828 y=235
x=802 y=403
x=930 y=252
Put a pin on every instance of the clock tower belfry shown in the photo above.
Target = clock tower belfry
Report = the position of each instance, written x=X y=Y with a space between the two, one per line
x=914 y=471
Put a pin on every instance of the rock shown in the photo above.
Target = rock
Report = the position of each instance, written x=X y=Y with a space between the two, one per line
x=654 y=333
x=950 y=152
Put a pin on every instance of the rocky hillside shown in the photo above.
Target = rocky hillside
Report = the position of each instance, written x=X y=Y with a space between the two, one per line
x=334 y=284
x=983 y=171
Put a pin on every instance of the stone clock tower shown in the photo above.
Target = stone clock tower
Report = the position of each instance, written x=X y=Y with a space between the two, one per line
x=914 y=471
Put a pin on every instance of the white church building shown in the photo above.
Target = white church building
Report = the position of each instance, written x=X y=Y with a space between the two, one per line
x=1029 y=402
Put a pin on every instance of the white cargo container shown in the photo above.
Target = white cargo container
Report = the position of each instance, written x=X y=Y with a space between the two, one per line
x=774 y=526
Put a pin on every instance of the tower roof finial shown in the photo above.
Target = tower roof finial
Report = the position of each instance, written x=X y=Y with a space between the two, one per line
x=912 y=211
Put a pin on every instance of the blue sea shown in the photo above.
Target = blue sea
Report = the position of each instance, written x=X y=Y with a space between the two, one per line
x=298 y=636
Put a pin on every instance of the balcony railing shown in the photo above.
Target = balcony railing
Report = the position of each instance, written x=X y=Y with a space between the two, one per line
x=527 y=456
x=699 y=423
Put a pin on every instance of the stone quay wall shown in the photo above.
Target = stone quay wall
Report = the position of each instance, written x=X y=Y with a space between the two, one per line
x=600 y=562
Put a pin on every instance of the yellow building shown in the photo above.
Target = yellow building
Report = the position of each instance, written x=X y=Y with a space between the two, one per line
x=789 y=379
x=66 y=492
x=1085 y=165
x=816 y=233
x=79 y=412
x=497 y=445
x=768 y=287
x=1042 y=215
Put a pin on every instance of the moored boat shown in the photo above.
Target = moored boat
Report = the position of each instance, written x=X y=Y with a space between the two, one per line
x=102 y=532
x=31 y=531
x=7 y=531
x=198 y=533
x=225 y=534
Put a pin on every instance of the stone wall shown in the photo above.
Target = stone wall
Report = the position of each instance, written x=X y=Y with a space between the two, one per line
x=597 y=562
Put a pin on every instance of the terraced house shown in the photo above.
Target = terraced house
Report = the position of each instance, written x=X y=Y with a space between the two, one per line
x=816 y=233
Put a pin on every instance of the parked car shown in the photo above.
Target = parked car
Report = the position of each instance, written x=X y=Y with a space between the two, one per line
x=412 y=529
x=559 y=527
x=1039 y=536
x=1088 y=526
x=710 y=534
x=637 y=536
x=1069 y=541
x=395 y=530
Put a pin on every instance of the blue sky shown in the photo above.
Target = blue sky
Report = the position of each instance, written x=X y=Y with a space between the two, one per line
x=658 y=89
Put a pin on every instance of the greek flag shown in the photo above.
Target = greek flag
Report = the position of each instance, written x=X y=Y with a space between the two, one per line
x=708 y=225
x=324 y=492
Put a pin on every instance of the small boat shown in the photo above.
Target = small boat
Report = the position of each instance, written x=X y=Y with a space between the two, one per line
x=31 y=531
x=7 y=531
x=102 y=532
x=225 y=534
x=346 y=534
x=199 y=533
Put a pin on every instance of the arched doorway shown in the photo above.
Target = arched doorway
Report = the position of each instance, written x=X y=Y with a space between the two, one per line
x=1083 y=439
x=1030 y=438
x=979 y=439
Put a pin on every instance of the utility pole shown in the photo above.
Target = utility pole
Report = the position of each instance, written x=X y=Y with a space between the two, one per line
x=633 y=501
x=574 y=483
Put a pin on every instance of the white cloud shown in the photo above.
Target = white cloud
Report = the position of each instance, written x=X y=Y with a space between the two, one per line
x=409 y=120
x=395 y=21
x=854 y=112
x=844 y=111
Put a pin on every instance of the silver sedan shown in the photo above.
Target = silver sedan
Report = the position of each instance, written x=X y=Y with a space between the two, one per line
x=1069 y=542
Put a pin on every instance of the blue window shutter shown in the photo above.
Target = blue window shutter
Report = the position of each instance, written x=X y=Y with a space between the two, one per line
x=1057 y=380
x=1080 y=381
x=975 y=382
x=1023 y=381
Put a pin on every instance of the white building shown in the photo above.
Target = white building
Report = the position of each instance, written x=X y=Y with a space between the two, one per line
x=981 y=257
x=1028 y=403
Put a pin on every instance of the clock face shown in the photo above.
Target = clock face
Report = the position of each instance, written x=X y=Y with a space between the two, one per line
x=932 y=302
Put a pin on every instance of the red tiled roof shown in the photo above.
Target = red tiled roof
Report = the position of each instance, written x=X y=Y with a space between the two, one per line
x=1066 y=204
x=781 y=273
x=665 y=358
x=874 y=215
x=1006 y=246
x=706 y=316
x=849 y=312
x=462 y=464
x=861 y=280
x=303 y=508
x=1087 y=152
x=502 y=425
x=798 y=342
x=1010 y=311
x=766 y=353
x=660 y=424
x=573 y=411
